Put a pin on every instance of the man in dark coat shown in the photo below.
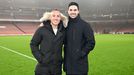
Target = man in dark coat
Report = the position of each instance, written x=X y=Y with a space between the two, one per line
x=46 y=44
x=79 y=41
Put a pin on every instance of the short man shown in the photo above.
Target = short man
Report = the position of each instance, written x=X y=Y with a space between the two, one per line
x=79 y=41
x=46 y=44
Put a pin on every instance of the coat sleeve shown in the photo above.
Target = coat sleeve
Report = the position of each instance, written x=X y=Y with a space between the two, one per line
x=34 y=45
x=89 y=40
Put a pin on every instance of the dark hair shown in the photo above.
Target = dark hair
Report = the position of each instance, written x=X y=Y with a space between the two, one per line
x=73 y=3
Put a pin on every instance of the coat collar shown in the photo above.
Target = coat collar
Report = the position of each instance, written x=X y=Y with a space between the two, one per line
x=49 y=27
x=74 y=19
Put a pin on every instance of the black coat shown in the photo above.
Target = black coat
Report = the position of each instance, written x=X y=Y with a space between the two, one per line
x=47 y=47
x=79 y=41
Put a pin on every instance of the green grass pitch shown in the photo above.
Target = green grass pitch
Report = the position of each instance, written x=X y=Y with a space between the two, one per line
x=113 y=55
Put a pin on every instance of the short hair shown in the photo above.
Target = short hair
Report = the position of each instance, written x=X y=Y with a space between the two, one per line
x=73 y=3
x=55 y=10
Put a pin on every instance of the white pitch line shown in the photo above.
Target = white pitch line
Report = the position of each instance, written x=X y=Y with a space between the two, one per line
x=17 y=53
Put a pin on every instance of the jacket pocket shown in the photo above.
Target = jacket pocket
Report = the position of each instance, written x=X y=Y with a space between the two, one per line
x=77 y=54
x=47 y=58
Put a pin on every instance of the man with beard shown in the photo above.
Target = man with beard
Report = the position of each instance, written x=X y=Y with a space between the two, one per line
x=79 y=41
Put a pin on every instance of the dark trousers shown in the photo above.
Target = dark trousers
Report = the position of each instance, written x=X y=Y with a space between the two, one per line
x=48 y=70
x=78 y=74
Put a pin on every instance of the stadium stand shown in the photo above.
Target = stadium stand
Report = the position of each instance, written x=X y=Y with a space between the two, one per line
x=8 y=28
x=27 y=28
x=22 y=17
x=11 y=28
